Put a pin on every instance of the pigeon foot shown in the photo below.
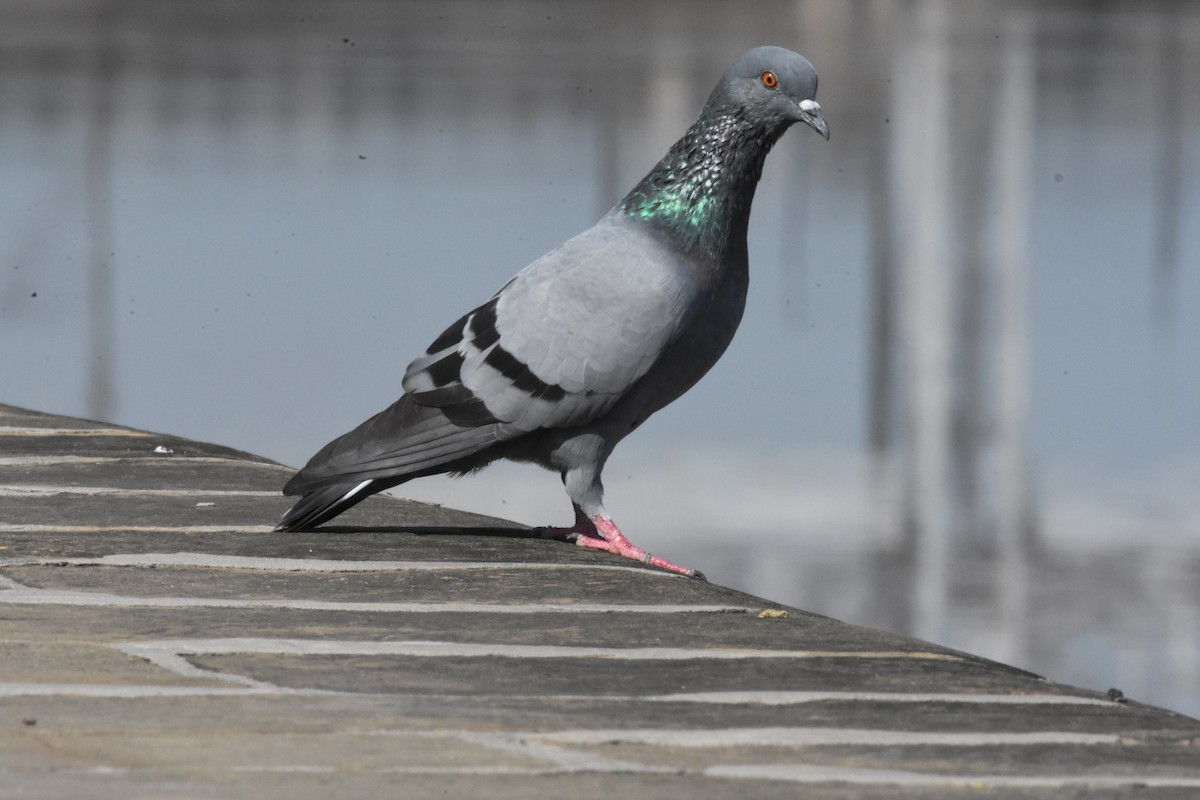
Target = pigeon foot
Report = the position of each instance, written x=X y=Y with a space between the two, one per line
x=601 y=533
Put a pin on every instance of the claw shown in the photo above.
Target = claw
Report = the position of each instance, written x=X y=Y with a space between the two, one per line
x=601 y=533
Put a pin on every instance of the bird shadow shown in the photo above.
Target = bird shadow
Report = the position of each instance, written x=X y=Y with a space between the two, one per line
x=501 y=532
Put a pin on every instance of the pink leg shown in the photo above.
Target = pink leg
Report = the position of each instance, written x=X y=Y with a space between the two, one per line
x=601 y=533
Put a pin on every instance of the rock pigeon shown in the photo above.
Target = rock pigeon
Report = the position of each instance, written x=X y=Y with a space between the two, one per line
x=589 y=340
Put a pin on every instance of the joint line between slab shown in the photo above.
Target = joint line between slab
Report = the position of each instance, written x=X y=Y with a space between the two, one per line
x=269 y=564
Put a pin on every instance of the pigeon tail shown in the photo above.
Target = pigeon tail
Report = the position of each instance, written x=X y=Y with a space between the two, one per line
x=323 y=505
x=404 y=441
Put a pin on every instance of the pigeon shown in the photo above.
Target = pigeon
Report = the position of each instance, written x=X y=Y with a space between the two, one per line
x=584 y=344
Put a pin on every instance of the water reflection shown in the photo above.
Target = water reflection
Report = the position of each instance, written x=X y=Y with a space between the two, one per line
x=962 y=404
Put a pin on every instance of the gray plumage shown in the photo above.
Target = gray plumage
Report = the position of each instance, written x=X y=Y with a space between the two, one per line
x=592 y=338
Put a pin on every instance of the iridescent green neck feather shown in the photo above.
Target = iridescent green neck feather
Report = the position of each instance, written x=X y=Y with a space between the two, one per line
x=700 y=193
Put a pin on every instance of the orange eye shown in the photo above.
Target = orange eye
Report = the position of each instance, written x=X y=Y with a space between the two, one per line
x=768 y=79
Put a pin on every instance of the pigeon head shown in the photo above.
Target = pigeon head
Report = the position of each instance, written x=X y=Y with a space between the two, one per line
x=699 y=194
x=773 y=85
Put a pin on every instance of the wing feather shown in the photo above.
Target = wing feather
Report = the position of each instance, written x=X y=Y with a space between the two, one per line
x=405 y=439
x=566 y=338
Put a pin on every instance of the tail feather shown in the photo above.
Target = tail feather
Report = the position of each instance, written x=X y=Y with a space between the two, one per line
x=404 y=441
x=323 y=505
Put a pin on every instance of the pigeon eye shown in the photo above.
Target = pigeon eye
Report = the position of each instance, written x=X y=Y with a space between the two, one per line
x=768 y=79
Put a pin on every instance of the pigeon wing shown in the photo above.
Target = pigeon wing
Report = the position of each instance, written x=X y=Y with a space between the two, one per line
x=565 y=339
x=403 y=441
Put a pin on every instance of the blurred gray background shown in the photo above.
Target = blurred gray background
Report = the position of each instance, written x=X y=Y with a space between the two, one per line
x=963 y=402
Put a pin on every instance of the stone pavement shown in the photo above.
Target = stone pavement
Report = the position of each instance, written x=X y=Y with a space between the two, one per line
x=157 y=640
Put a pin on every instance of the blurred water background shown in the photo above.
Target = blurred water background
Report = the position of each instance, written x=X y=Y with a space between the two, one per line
x=963 y=403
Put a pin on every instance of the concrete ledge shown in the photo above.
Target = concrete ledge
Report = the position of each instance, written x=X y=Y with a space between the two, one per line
x=159 y=640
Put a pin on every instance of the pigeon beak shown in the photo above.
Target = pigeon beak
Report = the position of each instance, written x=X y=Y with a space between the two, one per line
x=810 y=115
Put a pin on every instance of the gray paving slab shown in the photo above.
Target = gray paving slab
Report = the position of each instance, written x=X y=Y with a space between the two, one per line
x=157 y=639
